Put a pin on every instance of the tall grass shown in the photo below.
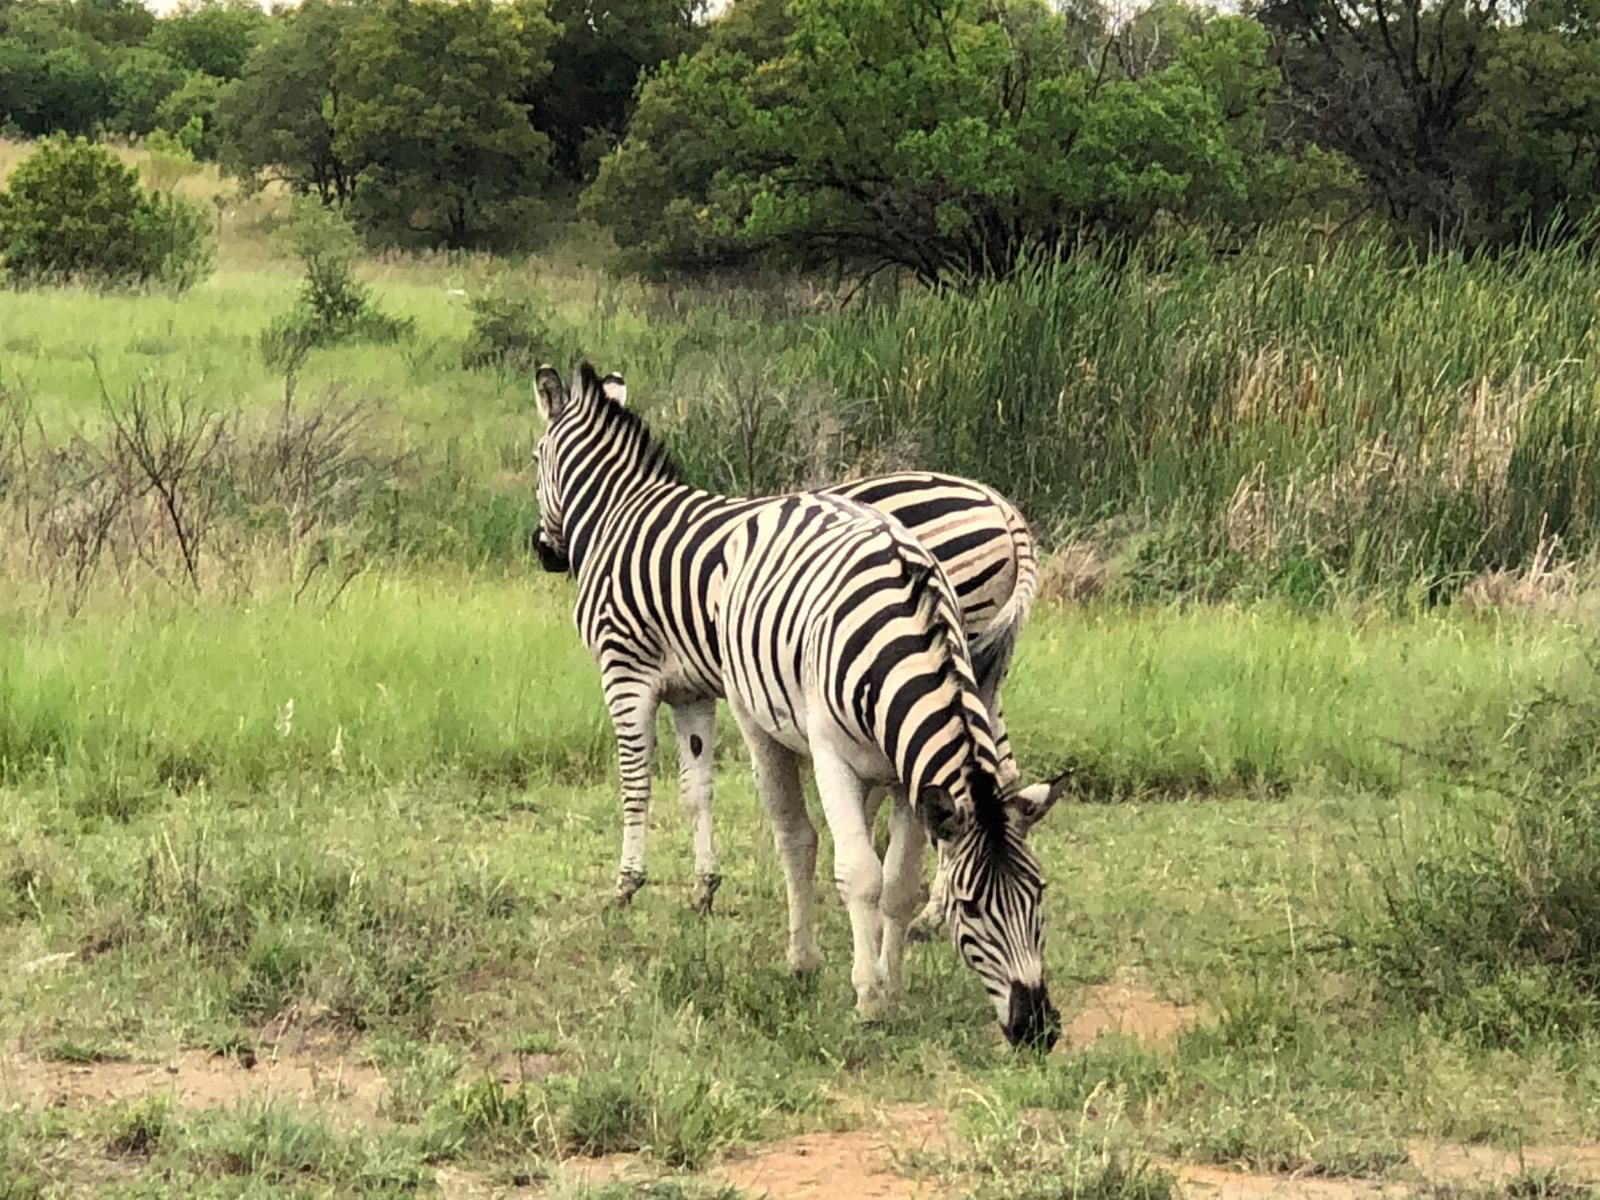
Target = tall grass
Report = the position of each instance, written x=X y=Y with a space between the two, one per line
x=482 y=678
x=1390 y=418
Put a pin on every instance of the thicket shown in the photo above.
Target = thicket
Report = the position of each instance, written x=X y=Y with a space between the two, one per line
x=72 y=212
x=936 y=138
x=1495 y=932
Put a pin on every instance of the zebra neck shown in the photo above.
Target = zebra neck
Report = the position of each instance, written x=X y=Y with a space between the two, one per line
x=587 y=524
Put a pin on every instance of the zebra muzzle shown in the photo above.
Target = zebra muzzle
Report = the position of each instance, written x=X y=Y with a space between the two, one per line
x=550 y=558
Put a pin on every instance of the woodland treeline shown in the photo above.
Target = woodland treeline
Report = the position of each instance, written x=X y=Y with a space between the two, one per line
x=943 y=137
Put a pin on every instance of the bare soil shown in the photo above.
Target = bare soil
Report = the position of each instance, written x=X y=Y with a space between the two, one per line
x=303 y=1063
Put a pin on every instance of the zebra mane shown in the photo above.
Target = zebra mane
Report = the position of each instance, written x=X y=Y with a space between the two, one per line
x=617 y=418
x=988 y=800
x=989 y=812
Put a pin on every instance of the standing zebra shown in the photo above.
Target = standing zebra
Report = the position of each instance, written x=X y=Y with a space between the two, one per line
x=644 y=547
x=841 y=638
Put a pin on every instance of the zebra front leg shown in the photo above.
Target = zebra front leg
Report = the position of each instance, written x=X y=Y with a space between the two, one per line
x=696 y=723
x=777 y=771
x=902 y=878
x=856 y=871
x=633 y=717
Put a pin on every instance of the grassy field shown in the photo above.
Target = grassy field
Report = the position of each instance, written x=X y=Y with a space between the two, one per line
x=309 y=816
x=369 y=841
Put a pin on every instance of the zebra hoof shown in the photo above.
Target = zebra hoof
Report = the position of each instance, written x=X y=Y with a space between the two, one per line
x=628 y=882
x=805 y=962
x=705 y=893
x=872 y=1005
x=919 y=934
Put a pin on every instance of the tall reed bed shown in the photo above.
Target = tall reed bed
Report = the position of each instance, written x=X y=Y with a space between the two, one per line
x=1387 y=417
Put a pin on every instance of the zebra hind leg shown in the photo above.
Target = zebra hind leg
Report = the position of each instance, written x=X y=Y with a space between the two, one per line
x=695 y=724
x=633 y=716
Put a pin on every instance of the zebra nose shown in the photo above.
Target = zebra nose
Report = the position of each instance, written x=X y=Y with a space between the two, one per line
x=550 y=558
x=1032 y=1022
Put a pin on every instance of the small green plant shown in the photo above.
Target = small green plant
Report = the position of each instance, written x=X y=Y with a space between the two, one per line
x=1497 y=932
x=136 y=1131
x=510 y=332
x=169 y=158
x=334 y=307
x=71 y=211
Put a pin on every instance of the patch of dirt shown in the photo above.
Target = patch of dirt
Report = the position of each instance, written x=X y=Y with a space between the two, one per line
x=815 y=1166
x=458 y=1183
x=194 y=1079
x=1463 y=1165
x=1129 y=1007
x=858 y=1163
x=1218 y=1183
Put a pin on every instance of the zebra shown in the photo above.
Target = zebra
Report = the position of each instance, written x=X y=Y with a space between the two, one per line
x=841 y=638
x=642 y=544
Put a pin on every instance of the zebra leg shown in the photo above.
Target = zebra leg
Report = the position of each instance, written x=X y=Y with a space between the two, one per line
x=902 y=878
x=872 y=803
x=633 y=717
x=856 y=870
x=696 y=723
x=777 y=770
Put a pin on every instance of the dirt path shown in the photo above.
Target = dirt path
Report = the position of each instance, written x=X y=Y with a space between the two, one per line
x=870 y=1163
x=346 y=1089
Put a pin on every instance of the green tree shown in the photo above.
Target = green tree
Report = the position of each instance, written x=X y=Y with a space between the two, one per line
x=70 y=210
x=428 y=108
x=1392 y=84
x=143 y=79
x=278 y=122
x=603 y=48
x=195 y=102
x=662 y=191
x=1537 y=122
x=112 y=23
x=214 y=36
x=944 y=138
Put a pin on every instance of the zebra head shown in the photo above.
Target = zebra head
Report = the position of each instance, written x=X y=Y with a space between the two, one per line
x=992 y=899
x=572 y=420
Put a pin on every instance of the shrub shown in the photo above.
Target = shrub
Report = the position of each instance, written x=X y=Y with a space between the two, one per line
x=1497 y=935
x=72 y=211
x=334 y=306
x=510 y=333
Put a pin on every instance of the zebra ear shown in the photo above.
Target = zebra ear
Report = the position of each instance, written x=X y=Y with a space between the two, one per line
x=615 y=389
x=1031 y=803
x=551 y=392
x=944 y=819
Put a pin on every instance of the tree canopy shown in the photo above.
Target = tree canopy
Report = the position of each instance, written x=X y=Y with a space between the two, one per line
x=943 y=137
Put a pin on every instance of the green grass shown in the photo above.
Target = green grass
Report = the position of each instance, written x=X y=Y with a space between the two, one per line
x=355 y=793
x=437 y=892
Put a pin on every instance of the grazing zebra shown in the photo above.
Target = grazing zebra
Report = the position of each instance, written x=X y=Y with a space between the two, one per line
x=841 y=638
x=644 y=546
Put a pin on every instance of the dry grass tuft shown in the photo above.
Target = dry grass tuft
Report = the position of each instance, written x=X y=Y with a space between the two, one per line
x=1077 y=572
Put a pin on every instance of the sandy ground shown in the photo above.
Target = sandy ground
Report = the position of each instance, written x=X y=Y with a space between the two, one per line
x=303 y=1066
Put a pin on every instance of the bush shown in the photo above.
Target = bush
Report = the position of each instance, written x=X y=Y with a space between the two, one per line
x=72 y=211
x=510 y=333
x=1498 y=935
x=334 y=307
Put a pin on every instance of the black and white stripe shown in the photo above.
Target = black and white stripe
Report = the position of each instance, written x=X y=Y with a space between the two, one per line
x=841 y=641
x=644 y=548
